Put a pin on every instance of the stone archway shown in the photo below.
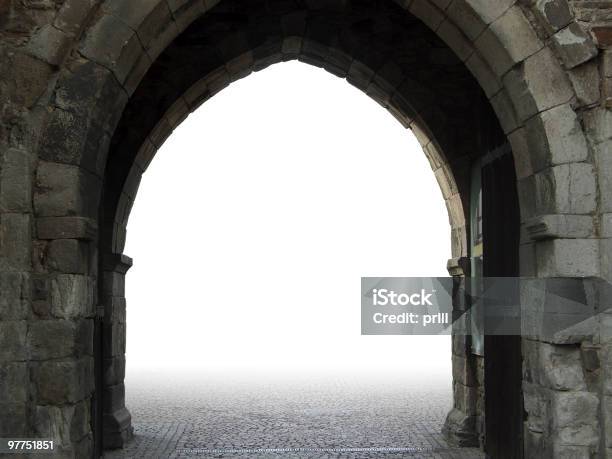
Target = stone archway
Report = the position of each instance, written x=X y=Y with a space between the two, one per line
x=74 y=150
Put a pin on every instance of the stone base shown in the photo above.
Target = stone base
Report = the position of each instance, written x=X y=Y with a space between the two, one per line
x=117 y=429
x=460 y=429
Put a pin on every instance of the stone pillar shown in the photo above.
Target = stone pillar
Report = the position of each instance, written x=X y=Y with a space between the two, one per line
x=463 y=424
x=60 y=333
x=117 y=421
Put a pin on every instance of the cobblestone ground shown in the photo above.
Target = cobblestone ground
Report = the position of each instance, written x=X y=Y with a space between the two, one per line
x=237 y=417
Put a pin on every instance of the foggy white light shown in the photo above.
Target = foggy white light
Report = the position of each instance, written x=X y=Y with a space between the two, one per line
x=256 y=220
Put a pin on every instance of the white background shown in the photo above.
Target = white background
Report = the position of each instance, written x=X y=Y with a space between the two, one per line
x=256 y=220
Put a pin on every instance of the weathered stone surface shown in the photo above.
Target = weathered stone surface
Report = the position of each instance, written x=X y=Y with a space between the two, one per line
x=567 y=189
x=560 y=226
x=13 y=340
x=65 y=190
x=52 y=339
x=60 y=382
x=575 y=418
x=554 y=14
x=459 y=428
x=508 y=41
x=585 y=80
x=69 y=256
x=538 y=84
x=14 y=419
x=15 y=181
x=14 y=382
x=15 y=245
x=114 y=339
x=574 y=45
x=564 y=141
x=113 y=44
x=66 y=425
x=568 y=258
x=49 y=44
x=14 y=295
x=70 y=68
x=72 y=15
x=561 y=367
x=66 y=228
x=71 y=296
x=603 y=159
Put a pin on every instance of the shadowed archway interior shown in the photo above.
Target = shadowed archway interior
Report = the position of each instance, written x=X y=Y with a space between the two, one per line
x=379 y=48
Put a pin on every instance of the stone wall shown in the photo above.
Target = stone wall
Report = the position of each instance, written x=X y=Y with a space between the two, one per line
x=70 y=67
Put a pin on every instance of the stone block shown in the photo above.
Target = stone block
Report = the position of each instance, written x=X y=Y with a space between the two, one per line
x=114 y=398
x=574 y=45
x=15 y=242
x=465 y=398
x=464 y=16
x=521 y=153
x=15 y=181
x=560 y=226
x=603 y=160
x=27 y=78
x=538 y=84
x=49 y=44
x=113 y=284
x=67 y=425
x=65 y=190
x=69 y=256
x=13 y=419
x=505 y=110
x=561 y=367
x=113 y=370
x=527 y=260
x=607 y=419
x=510 y=39
x=62 y=382
x=568 y=258
x=489 y=82
x=561 y=451
x=64 y=138
x=13 y=335
x=114 y=310
x=14 y=382
x=72 y=15
x=112 y=44
x=66 y=228
x=598 y=124
x=456 y=40
x=117 y=428
x=428 y=13
x=554 y=14
x=555 y=137
x=14 y=295
x=72 y=296
x=464 y=372
x=490 y=11
x=536 y=407
x=526 y=191
x=575 y=418
x=53 y=339
x=566 y=189
x=113 y=339
x=586 y=82
x=460 y=429
x=605 y=248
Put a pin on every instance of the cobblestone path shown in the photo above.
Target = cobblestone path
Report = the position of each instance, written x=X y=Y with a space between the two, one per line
x=236 y=417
